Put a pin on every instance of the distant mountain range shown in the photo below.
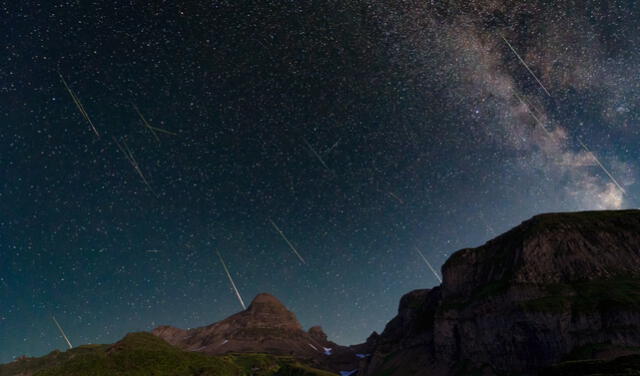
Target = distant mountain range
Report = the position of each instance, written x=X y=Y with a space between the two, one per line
x=557 y=295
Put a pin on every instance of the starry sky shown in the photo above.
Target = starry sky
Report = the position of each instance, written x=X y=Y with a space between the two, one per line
x=363 y=129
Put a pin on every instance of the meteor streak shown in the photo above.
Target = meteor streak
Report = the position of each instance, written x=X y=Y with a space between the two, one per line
x=124 y=148
x=332 y=147
x=602 y=166
x=531 y=106
x=533 y=115
x=231 y=280
x=396 y=197
x=317 y=155
x=62 y=332
x=152 y=129
x=429 y=265
x=79 y=105
x=526 y=66
x=287 y=240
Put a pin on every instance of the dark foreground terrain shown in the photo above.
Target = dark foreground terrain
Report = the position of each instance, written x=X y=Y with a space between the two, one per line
x=144 y=354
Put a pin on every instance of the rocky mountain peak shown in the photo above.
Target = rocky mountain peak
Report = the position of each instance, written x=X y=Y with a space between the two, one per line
x=266 y=326
x=267 y=311
x=264 y=301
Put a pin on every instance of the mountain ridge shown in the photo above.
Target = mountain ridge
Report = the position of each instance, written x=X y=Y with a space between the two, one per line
x=522 y=301
x=265 y=315
x=266 y=326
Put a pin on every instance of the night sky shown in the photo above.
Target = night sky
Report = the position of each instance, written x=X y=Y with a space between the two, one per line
x=362 y=129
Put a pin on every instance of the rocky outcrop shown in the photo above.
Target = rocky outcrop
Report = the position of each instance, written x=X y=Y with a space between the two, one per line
x=266 y=326
x=170 y=334
x=523 y=301
x=318 y=334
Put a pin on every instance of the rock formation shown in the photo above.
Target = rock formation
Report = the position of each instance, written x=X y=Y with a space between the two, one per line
x=549 y=288
x=266 y=326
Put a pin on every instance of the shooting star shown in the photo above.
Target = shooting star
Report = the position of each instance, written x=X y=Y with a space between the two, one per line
x=533 y=115
x=287 y=240
x=62 y=332
x=124 y=148
x=529 y=104
x=317 y=155
x=526 y=66
x=606 y=171
x=235 y=289
x=332 y=147
x=429 y=265
x=151 y=128
x=396 y=197
x=79 y=105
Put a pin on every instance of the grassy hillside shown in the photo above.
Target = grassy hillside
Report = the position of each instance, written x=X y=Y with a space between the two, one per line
x=141 y=354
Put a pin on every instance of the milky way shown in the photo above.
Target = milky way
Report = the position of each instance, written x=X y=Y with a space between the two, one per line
x=138 y=140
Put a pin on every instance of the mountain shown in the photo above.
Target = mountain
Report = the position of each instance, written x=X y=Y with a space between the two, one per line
x=266 y=326
x=560 y=293
x=143 y=354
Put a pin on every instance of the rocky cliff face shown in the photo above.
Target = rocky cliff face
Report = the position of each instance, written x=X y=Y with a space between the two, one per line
x=554 y=285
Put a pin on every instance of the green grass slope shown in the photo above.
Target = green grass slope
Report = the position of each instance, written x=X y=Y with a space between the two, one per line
x=142 y=354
